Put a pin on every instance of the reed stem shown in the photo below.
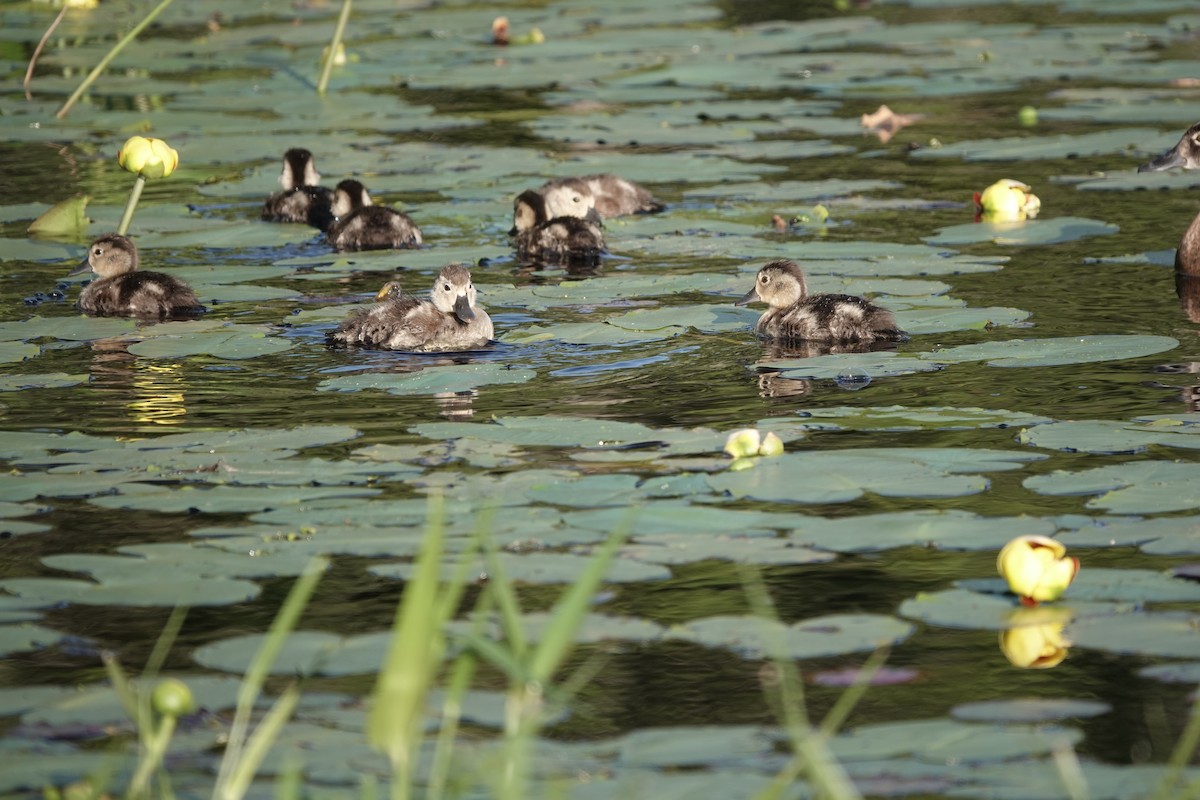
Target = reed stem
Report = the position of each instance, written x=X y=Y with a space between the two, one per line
x=130 y=206
x=327 y=67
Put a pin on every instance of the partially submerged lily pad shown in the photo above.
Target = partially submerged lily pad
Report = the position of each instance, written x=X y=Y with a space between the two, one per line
x=756 y=637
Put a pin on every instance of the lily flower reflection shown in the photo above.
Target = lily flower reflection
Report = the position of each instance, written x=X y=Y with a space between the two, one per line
x=1034 y=638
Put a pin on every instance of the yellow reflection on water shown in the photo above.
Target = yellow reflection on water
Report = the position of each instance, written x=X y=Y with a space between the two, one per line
x=158 y=390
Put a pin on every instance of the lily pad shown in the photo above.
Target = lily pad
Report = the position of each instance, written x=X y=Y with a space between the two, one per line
x=1054 y=351
x=1029 y=232
x=52 y=380
x=1141 y=487
x=756 y=637
x=452 y=378
x=1101 y=436
x=1034 y=709
x=942 y=530
x=232 y=341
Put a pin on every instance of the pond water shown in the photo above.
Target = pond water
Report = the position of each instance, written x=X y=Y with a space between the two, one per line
x=205 y=461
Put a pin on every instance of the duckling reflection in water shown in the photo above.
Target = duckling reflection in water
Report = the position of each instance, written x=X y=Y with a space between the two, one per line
x=792 y=314
x=120 y=290
x=449 y=320
x=554 y=240
x=610 y=195
x=362 y=225
x=1185 y=154
x=301 y=200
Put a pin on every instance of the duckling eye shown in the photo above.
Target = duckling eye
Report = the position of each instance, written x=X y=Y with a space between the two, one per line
x=97 y=252
x=764 y=279
x=445 y=287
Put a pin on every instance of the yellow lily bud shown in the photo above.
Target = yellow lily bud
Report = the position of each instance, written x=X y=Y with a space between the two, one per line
x=1035 y=640
x=150 y=158
x=1037 y=568
x=1007 y=200
x=743 y=443
x=771 y=445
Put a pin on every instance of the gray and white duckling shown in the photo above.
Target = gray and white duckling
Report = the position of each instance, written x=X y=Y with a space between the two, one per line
x=554 y=240
x=301 y=199
x=612 y=196
x=361 y=225
x=1185 y=154
x=449 y=320
x=793 y=314
x=121 y=290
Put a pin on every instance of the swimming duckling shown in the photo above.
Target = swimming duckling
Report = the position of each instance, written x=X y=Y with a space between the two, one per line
x=554 y=240
x=1185 y=154
x=793 y=314
x=612 y=196
x=361 y=225
x=122 y=291
x=301 y=200
x=449 y=320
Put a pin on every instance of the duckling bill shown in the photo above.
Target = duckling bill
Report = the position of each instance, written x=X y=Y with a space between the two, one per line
x=359 y=224
x=553 y=240
x=121 y=290
x=301 y=199
x=793 y=314
x=449 y=320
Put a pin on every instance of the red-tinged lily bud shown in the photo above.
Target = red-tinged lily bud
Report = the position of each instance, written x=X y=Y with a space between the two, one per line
x=1007 y=200
x=150 y=158
x=1037 y=568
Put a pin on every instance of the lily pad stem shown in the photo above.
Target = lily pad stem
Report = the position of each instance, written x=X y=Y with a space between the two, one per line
x=104 y=62
x=134 y=196
x=327 y=67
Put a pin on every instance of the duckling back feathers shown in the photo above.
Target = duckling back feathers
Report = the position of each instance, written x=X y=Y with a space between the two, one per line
x=361 y=225
x=612 y=195
x=301 y=199
x=120 y=290
x=449 y=320
x=793 y=314
x=553 y=240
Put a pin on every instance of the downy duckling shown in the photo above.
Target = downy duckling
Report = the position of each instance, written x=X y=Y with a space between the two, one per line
x=120 y=290
x=301 y=200
x=553 y=240
x=793 y=314
x=612 y=196
x=450 y=320
x=1185 y=154
x=361 y=225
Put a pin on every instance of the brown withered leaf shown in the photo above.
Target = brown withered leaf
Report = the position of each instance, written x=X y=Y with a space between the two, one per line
x=885 y=123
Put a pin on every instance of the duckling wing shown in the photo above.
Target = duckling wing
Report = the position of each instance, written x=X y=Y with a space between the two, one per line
x=138 y=294
x=374 y=228
x=831 y=318
x=617 y=197
x=374 y=325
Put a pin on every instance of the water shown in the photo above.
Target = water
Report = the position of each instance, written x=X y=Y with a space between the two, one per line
x=696 y=379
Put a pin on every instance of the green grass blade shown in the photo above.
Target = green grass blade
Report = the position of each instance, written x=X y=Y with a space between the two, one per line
x=338 y=31
x=260 y=743
x=854 y=693
x=260 y=667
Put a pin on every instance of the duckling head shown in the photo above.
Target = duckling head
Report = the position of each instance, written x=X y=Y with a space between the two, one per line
x=110 y=255
x=571 y=198
x=453 y=292
x=1186 y=154
x=350 y=195
x=529 y=211
x=779 y=284
x=298 y=169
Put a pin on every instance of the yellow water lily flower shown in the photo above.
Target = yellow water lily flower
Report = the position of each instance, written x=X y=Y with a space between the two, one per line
x=1035 y=640
x=1007 y=200
x=1037 y=568
x=150 y=158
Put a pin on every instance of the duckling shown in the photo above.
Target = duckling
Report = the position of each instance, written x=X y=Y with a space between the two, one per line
x=613 y=196
x=361 y=225
x=301 y=200
x=450 y=320
x=122 y=291
x=554 y=240
x=793 y=314
x=1185 y=154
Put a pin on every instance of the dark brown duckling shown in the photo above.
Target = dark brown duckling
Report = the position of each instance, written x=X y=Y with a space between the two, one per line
x=612 y=196
x=793 y=314
x=301 y=200
x=1185 y=154
x=449 y=320
x=120 y=290
x=553 y=240
x=361 y=225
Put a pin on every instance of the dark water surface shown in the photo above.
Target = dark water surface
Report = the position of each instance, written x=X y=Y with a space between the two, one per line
x=698 y=379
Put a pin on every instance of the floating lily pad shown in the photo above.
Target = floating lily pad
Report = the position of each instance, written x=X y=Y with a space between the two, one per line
x=1141 y=487
x=904 y=418
x=1030 y=148
x=544 y=568
x=587 y=333
x=151 y=591
x=756 y=637
x=431 y=380
x=24 y=637
x=53 y=380
x=1030 y=232
x=688 y=548
x=71 y=329
x=942 y=530
x=1036 y=709
x=232 y=341
x=1165 y=634
x=1054 y=351
x=1101 y=436
x=828 y=367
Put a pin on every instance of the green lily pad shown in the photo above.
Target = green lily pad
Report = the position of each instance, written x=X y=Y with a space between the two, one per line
x=1163 y=634
x=942 y=530
x=71 y=329
x=149 y=592
x=65 y=219
x=587 y=333
x=688 y=548
x=1029 y=148
x=431 y=380
x=231 y=341
x=24 y=637
x=880 y=364
x=18 y=351
x=1032 y=709
x=1054 y=351
x=52 y=380
x=1101 y=436
x=756 y=637
x=543 y=568
x=1142 y=487
x=1029 y=232
x=903 y=418
x=221 y=499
